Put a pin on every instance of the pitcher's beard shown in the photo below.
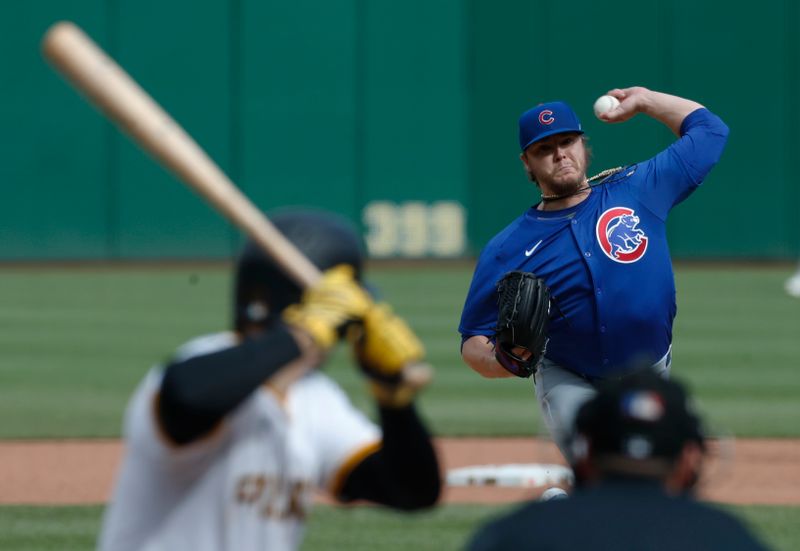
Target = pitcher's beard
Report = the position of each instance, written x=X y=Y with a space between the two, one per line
x=562 y=188
x=569 y=187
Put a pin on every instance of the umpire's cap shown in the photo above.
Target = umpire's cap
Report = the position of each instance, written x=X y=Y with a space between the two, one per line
x=546 y=119
x=641 y=416
x=262 y=289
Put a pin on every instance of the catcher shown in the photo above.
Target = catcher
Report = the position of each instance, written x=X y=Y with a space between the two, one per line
x=227 y=443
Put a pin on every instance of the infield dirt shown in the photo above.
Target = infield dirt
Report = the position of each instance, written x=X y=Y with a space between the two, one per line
x=73 y=472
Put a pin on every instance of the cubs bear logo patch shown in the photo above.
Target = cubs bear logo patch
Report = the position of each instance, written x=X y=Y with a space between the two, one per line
x=619 y=235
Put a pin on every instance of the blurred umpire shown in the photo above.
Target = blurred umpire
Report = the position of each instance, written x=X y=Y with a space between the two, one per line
x=227 y=443
x=638 y=450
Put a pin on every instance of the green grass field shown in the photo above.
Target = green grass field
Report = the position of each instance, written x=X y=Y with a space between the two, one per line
x=75 y=342
x=350 y=529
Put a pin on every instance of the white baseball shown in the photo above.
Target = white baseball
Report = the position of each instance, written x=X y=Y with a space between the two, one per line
x=604 y=104
x=554 y=493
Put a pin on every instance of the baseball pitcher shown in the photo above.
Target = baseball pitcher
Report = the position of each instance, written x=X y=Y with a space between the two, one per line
x=599 y=298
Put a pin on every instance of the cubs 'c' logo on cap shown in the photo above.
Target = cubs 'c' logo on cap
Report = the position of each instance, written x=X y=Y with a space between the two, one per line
x=619 y=237
x=546 y=117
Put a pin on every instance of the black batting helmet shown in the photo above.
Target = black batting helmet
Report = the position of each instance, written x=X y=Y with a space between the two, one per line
x=262 y=289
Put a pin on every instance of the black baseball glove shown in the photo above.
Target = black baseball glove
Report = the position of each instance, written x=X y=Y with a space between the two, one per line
x=523 y=304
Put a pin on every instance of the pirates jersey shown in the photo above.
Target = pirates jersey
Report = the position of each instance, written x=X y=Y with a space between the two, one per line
x=247 y=485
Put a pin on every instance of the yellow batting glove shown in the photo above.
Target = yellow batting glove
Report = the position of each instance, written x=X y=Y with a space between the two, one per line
x=390 y=354
x=329 y=306
x=387 y=343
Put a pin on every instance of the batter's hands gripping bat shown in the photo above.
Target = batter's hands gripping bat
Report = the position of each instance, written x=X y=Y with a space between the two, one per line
x=109 y=88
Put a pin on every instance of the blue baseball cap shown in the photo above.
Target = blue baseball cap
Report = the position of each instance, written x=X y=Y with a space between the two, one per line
x=545 y=120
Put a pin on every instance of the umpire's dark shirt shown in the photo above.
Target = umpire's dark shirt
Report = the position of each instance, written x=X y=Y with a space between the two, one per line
x=617 y=515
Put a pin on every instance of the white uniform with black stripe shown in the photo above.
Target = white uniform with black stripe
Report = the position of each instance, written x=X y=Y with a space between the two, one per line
x=250 y=484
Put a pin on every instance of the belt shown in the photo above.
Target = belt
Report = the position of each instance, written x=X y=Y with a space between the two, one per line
x=661 y=367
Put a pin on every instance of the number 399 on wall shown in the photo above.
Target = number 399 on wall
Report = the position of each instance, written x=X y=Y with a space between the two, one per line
x=415 y=229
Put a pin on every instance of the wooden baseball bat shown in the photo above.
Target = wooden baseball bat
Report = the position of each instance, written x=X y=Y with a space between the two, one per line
x=109 y=88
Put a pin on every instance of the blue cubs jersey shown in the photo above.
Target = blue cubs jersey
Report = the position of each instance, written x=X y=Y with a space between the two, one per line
x=605 y=260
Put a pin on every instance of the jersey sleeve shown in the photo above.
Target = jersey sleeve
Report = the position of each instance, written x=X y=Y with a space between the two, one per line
x=479 y=315
x=141 y=427
x=340 y=433
x=673 y=174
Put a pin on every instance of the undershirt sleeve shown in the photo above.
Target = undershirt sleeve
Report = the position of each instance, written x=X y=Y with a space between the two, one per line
x=404 y=472
x=197 y=393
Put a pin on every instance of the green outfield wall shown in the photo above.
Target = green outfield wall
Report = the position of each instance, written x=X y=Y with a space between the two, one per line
x=400 y=114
